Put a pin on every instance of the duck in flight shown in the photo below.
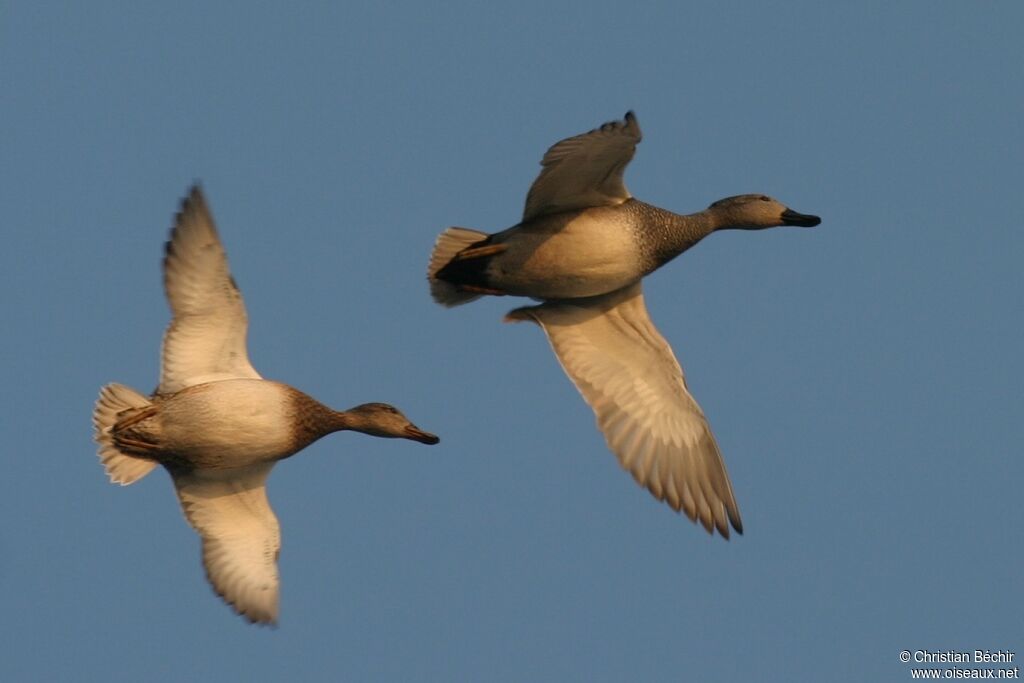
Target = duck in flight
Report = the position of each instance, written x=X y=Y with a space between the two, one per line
x=216 y=425
x=583 y=247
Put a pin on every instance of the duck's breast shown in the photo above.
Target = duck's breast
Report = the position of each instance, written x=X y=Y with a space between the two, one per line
x=569 y=255
x=230 y=423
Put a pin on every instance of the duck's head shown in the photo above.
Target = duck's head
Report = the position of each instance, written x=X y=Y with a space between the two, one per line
x=382 y=419
x=756 y=212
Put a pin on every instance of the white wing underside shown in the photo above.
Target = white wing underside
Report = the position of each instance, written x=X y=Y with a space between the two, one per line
x=205 y=341
x=241 y=536
x=585 y=170
x=627 y=373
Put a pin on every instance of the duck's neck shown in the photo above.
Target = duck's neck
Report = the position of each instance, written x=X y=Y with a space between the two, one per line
x=350 y=420
x=667 y=235
x=313 y=420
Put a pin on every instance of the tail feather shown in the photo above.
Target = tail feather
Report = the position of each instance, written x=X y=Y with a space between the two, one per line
x=121 y=468
x=449 y=243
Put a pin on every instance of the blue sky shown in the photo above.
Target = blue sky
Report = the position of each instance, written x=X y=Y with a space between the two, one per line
x=862 y=378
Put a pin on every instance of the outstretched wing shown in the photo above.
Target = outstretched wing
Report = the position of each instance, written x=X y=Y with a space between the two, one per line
x=206 y=338
x=627 y=373
x=241 y=537
x=585 y=170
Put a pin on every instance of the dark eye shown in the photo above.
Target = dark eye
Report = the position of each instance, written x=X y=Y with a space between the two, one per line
x=764 y=199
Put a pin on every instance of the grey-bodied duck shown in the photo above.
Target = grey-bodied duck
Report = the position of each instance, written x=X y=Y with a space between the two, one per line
x=583 y=246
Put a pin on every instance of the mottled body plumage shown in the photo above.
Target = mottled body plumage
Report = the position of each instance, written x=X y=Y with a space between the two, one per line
x=582 y=247
x=216 y=425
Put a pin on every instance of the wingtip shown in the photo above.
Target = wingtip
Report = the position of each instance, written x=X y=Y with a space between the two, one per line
x=193 y=204
x=732 y=511
x=734 y=521
x=737 y=526
x=193 y=198
x=261 y=622
x=633 y=124
x=194 y=195
x=257 y=616
x=711 y=524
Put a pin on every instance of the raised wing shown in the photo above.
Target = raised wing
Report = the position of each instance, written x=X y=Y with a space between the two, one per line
x=626 y=372
x=585 y=170
x=206 y=338
x=241 y=537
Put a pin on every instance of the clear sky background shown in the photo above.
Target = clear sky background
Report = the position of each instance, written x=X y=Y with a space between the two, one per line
x=862 y=378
